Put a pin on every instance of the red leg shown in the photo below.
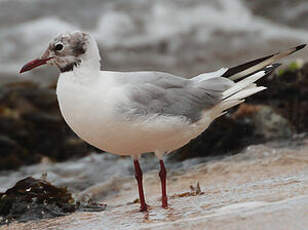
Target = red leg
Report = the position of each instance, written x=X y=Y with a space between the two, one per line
x=162 y=175
x=138 y=175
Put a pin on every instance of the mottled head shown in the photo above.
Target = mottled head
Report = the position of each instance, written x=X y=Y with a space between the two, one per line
x=68 y=51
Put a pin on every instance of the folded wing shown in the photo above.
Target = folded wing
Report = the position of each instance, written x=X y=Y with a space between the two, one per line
x=163 y=94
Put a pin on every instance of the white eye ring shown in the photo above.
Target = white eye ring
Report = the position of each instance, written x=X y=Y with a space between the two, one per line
x=59 y=46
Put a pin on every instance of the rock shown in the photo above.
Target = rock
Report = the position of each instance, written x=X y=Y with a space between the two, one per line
x=12 y=154
x=32 y=127
x=32 y=199
x=267 y=123
x=287 y=94
x=270 y=124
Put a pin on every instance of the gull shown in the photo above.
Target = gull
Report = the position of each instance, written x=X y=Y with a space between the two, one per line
x=131 y=113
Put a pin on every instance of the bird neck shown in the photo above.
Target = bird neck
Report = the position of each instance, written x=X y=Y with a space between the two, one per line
x=91 y=59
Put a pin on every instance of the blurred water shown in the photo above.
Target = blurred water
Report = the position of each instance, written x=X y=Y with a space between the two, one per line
x=183 y=37
x=96 y=170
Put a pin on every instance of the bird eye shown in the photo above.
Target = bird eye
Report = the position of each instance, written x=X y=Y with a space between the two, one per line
x=59 y=47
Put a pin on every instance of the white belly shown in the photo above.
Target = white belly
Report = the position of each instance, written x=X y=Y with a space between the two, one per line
x=91 y=115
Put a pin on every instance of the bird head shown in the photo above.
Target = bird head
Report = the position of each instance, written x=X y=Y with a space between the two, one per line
x=67 y=51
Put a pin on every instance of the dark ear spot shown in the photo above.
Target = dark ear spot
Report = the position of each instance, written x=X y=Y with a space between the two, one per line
x=79 y=48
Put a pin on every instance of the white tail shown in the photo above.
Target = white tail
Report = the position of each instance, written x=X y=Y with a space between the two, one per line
x=242 y=89
x=245 y=83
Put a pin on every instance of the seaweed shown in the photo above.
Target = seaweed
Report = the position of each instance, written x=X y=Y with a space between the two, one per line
x=31 y=199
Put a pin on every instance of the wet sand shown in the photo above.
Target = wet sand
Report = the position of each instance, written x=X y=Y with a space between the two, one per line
x=263 y=187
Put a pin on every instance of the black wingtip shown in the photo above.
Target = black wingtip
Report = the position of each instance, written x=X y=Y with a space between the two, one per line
x=276 y=65
x=269 y=69
x=300 y=47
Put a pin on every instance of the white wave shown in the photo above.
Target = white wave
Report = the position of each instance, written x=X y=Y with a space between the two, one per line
x=28 y=40
x=188 y=27
x=170 y=20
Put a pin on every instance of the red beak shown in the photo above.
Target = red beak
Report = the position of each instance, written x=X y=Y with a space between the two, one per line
x=35 y=63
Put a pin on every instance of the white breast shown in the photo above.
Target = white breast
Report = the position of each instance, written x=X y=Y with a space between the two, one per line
x=84 y=108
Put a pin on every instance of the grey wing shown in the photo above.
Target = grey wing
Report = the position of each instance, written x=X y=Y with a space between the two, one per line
x=164 y=94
